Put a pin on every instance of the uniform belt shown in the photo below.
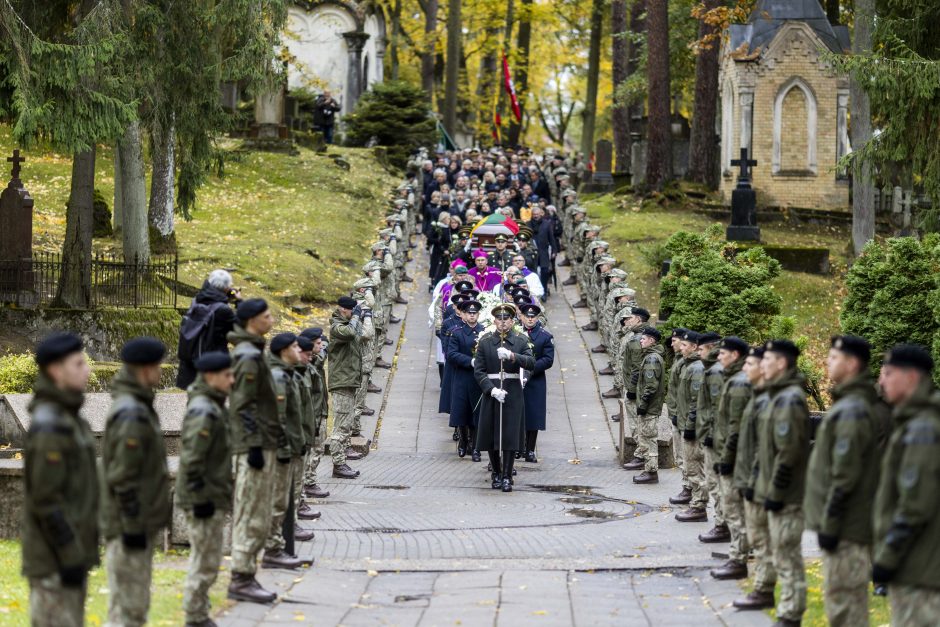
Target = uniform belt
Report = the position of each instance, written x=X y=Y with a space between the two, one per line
x=504 y=376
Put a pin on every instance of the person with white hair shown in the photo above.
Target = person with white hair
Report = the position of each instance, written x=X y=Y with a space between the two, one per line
x=206 y=323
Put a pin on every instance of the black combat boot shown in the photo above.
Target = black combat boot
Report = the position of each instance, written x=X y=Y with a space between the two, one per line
x=508 y=460
x=496 y=475
x=245 y=587
x=462 y=442
x=530 y=439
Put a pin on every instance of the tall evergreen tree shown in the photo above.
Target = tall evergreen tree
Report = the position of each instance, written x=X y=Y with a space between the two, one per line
x=659 y=129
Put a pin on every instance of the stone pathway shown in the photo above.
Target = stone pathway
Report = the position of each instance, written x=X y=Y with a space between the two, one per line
x=421 y=539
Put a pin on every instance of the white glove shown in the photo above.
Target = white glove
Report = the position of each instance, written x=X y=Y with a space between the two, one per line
x=504 y=354
x=498 y=394
x=473 y=363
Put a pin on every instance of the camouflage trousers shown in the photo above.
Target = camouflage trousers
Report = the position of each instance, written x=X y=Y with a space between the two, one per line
x=648 y=441
x=678 y=456
x=694 y=469
x=786 y=534
x=205 y=555
x=129 y=572
x=914 y=606
x=758 y=537
x=711 y=483
x=287 y=482
x=632 y=427
x=344 y=412
x=53 y=605
x=846 y=574
x=251 y=518
x=732 y=506
x=361 y=392
x=314 y=454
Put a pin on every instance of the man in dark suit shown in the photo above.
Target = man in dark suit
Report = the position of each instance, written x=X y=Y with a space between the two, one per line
x=534 y=392
x=545 y=243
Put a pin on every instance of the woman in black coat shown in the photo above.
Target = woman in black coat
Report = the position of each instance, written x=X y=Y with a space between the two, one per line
x=439 y=239
x=536 y=386
x=501 y=426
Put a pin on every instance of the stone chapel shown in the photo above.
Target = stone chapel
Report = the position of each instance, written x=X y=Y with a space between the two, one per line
x=782 y=100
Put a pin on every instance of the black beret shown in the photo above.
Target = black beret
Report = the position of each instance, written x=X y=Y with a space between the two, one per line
x=642 y=313
x=281 y=341
x=143 y=351
x=679 y=332
x=852 y=345
x=909 y=356
x=690 y=336
x=213 y=361
x=312 y=333
x=57 y=346
x=709 y=337
x=305 y=343
x=531 y=309
x=470 y=306
x=756 y=351
x=251 y=307
x=784 y=347
x=346 y=302
x=734 y=343
x=652 y=332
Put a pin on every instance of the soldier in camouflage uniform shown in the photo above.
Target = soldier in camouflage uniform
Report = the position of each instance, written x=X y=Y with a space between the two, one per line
x=617 y=299
x=256 y=433
x=708 y=400
x=585 y=265
x=60 y=496
x=691 y=380
x=906 y=522
x=845 y=476
x=345 y=376
x=782 y=452
x=308 y=381
x=135 y=501
x=733 y=398
x=596 y=251
x=630 y=367
x=204 y=480
x=650 y=388
x=321 y=407
x=365 y=300
x=282 y=360
x=755 y=516
x=672 y=389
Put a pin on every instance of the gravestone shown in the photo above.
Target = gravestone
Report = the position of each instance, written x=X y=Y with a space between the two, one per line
x=743 y=227
x=16 y=233
x=603 y=163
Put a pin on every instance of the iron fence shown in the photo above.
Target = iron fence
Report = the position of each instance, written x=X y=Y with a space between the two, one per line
x=115 y=281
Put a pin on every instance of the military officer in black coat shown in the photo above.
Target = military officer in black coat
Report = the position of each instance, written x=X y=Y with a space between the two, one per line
x=464 y=392
x=451 y=320
x=500 y=357
x=501 y=257
x=534 y=391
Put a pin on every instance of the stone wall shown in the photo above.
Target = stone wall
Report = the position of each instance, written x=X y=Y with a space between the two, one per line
x=784 y=105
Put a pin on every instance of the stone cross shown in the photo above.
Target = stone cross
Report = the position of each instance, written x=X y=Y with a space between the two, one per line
x=16 y=217
x=16 y=160
x=744 y=177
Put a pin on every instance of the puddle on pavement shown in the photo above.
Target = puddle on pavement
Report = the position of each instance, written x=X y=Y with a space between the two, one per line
x=581 y=500
x=389 y=487
x=580 y=512
x=564 y=489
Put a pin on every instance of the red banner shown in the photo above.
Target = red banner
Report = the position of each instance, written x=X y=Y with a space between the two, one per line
x=511 y=90
x=497 y=125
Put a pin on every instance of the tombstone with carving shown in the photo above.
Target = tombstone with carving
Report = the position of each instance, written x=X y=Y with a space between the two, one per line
x=783 y=101
x=16 y=233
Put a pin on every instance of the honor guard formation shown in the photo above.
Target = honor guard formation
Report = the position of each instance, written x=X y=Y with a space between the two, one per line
x=865 y=480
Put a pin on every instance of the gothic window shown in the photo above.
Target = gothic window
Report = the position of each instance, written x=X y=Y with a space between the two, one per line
x=795 y=114
x=727 y=127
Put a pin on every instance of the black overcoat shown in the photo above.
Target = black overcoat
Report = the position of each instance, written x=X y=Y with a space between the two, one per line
x=536 y=386
x=447 y=327
x=486 y=363
x=464 y=391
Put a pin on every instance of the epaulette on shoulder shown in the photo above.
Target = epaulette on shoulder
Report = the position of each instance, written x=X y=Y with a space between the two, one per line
x=46 y=420
x=790 y=397
x=200 y=406
x=245 y=350
x=921 y=431
x=850 y=408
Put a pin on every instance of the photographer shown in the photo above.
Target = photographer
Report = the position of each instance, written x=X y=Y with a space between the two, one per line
x=204 y=326
x=325 y=109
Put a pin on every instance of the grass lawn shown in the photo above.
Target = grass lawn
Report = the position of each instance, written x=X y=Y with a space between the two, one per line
x=814 y=300
x=166 y=590
x=878 y=611
x=291 y=229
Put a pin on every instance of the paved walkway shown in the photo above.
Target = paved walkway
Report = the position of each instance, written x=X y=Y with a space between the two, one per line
x=421 y=539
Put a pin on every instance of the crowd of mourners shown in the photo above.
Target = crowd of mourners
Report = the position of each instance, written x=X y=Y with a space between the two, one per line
x=865 y=480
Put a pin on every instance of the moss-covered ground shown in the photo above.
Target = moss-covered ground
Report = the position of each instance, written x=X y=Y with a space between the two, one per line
x=636 y=228
x=291 y=228
x=166 y=605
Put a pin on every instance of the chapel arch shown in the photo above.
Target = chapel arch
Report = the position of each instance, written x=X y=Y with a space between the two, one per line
x=795 y=126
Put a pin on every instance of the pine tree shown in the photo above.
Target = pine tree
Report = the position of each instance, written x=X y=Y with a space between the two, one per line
x=394 y=114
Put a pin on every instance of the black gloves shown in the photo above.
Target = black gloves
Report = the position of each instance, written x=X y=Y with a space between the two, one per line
x=256 y=457
x=304 y=450
x=640 y=412
x=725 y=469
x=73 y=576
x=827 y=543
x=134 y=541
x=881 y=575
x=748 y=494
x=675 y=420
x=631 y=396
x=283 y=460
x=688 y=435
x=772 y=506
x=715 y=467
x=204 y=510
x=708 y=441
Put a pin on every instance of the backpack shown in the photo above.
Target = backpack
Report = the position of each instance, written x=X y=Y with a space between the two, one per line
x=196 y=329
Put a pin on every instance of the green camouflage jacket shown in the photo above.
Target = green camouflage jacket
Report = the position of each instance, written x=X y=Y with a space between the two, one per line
x=253 y=404
x=205 y=470
x=783 y=442
x=709 y=396
x=289 y=407
x=650 y=382
x=735 y=394
x=690 y=382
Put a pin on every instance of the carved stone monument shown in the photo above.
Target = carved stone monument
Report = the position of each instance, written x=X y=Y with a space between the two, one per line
x=743 y=227
x=16 y=232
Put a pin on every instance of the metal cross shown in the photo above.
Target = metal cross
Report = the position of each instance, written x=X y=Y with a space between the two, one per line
x=16 y=160
x=745 y=164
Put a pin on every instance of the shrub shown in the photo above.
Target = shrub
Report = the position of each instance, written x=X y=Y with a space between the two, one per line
x=893 y=294
x=17 y=373
x=710 y=288
x=394 y=114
